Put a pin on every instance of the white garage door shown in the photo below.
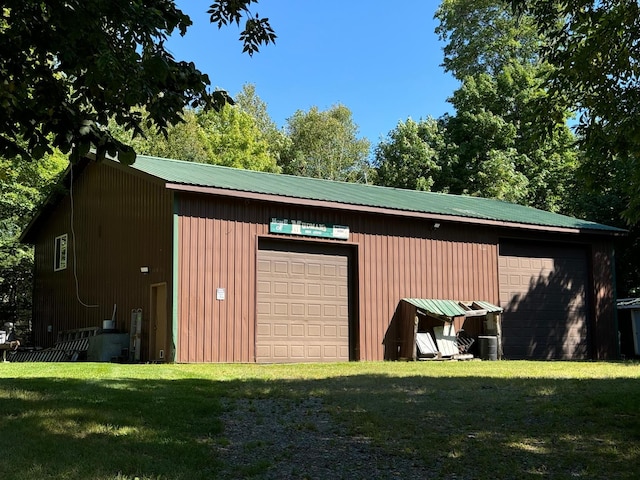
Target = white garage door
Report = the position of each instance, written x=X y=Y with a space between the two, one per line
x=302 y=307
x=543 y=293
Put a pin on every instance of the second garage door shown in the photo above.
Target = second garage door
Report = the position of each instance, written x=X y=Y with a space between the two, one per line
x=302 y=307
x=543 y=293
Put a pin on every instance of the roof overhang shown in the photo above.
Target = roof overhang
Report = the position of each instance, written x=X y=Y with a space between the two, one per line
x=179 y=187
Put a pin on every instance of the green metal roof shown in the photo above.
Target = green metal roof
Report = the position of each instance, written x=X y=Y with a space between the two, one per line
x=449 y=308
x=440 y=308
x=214 y=176
x=489 y=307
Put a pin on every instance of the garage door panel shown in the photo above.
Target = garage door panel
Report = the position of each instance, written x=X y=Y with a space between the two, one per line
x=314 y=330
x=280 y=309
x=543 y=294
x=263 y=308
x=330 y=290
x=297 y=330
x=330 y=311
x=280 y=267
x=264 y=330
x=308 y=315
x=314 y=310
x=330 y=331
x=314 y=269
x=297 y=309
x=297 y=268
x=264 y=287
x=296 y=288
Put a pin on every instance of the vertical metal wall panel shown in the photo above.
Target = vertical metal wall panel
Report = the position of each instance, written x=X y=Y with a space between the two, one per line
x=453 y=262
x=604 y=325
x=221 y=236
x=121 y=222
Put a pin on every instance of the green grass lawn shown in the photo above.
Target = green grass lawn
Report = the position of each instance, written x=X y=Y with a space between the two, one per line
x=482 y=420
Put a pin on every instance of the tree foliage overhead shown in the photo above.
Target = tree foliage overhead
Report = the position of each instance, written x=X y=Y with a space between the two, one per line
x=232 y=138
x=482 y=36
x=68 y=66
x=498 y=151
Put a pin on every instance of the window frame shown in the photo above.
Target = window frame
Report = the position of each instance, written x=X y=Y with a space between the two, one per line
x=60 y=252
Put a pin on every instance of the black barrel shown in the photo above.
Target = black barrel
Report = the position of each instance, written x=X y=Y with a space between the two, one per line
x=488 y=347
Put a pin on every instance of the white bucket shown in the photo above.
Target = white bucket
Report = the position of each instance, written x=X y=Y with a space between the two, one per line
x=108 y=324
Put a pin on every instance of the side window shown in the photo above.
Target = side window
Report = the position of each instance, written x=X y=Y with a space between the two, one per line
x=60 y=258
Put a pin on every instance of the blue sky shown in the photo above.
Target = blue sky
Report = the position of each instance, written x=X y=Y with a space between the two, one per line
x=380 y=59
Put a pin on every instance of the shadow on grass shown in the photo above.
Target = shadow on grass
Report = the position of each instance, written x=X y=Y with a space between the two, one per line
x=471 y=427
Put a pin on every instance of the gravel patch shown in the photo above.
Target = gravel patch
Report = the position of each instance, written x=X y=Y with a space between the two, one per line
x=285 y=439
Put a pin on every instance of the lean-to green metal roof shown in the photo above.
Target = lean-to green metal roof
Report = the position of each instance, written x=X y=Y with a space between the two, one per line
x=449 y=308
x=438 y=204
x=440 y=308
x=489 y=307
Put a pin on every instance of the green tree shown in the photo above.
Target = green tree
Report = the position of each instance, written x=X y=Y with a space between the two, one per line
x=409 y=156
x=68 y=66
x=483 y=36
x=496 y=132
x=325 y=144
x=248 y=101
x=593 y=46
x=23 y=186
x=601 y=195
x=231 y=137
x=183 y=141
x=228 y=136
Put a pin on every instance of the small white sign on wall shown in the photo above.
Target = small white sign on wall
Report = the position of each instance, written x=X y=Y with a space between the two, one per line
x=219 y=293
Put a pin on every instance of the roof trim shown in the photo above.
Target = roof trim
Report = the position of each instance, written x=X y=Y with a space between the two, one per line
x=188 y=177
x=181 y=187
x=287 y=189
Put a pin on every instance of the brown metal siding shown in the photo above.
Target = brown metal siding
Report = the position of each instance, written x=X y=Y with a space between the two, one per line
x=604 y=327
x=396 y=258
x=216 y=251
x=122 y=222
x=412 y=260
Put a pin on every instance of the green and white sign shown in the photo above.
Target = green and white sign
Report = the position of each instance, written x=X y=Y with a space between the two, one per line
x=307 y=229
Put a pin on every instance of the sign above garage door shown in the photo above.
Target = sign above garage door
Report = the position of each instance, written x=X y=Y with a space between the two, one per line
x=308 y=229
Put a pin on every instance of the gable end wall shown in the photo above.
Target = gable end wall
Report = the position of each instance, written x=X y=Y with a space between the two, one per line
x=121 y=222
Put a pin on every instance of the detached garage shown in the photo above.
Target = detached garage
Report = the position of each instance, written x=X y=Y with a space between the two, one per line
x=230 y=265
